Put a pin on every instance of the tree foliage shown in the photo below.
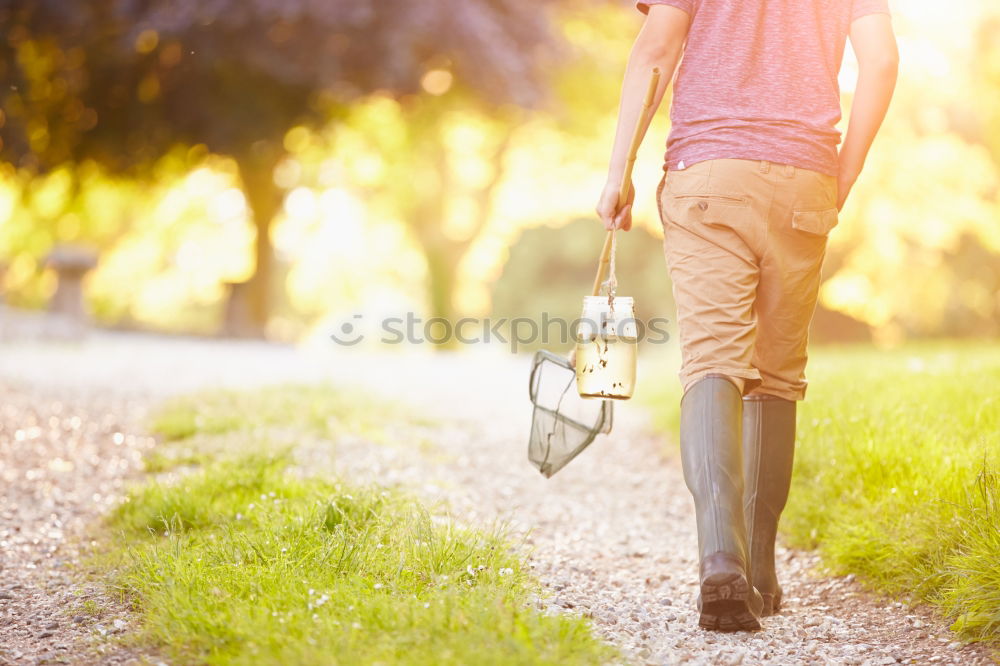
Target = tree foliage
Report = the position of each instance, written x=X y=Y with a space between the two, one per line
x=121 y=82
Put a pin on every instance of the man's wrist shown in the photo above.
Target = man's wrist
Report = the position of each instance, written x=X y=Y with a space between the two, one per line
x=615 y=174
x=848 y=172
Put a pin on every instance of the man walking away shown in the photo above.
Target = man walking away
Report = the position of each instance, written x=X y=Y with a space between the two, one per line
x=753 y=185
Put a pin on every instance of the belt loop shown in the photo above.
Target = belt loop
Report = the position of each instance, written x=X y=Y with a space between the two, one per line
x=765 y=166
x=789 y=171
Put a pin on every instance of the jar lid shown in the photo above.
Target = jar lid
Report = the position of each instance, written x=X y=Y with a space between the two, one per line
x=600 y=319
x=624 y=301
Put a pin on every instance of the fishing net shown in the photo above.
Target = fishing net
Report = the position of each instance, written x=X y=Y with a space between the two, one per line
x=562 y=424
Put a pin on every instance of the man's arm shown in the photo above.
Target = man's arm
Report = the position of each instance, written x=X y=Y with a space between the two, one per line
x=878 y=61
x=659 y=44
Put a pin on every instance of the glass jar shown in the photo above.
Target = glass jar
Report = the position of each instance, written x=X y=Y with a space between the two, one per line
x=606 y=345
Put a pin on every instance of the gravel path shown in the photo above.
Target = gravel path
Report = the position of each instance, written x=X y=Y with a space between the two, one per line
x=611 y=536
x=64 y=457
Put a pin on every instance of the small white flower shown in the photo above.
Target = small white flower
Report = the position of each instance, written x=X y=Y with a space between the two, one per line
x=378 y=586
x=250 y=508
x=239 y=516
x=427 y=605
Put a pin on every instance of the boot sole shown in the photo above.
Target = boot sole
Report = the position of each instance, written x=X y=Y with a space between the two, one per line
x=725 y=604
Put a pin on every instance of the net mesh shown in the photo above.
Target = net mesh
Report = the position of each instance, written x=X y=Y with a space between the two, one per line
x=562 y=424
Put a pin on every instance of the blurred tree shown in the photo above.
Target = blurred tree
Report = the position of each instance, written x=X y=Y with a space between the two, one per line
x=441 y=160
x=446 y=158
x=122 y=82
x=986 y=81
x=927 y=205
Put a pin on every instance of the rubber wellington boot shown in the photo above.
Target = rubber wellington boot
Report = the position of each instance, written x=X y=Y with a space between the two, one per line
x=713 y=470
x=768 y=450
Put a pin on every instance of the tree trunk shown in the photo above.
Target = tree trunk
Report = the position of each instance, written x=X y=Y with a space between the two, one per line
x=264 y=199
x=442 y=263
x=442 y=253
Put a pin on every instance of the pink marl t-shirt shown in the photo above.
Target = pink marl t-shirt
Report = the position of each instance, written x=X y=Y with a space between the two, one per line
x=758 y=80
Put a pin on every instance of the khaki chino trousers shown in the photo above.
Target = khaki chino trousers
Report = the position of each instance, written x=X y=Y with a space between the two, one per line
x=744 y=242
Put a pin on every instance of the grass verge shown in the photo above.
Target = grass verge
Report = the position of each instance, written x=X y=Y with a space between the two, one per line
x=227 y=424
x=896 y=474
x=244 y=561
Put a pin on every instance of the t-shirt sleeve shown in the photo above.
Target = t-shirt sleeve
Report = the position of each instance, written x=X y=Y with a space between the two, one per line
x=685 y=5
x=861 y=8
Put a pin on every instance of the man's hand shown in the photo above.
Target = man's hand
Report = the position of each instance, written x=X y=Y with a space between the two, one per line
x=845 y=181
x=608 y=211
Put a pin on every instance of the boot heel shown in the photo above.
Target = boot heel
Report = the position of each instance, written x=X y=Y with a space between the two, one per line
x=772 y=603
x=727 y=604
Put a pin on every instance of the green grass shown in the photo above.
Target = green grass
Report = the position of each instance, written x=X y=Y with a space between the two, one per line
x=218 y=425
x=245 y=561
x=302 y=409
x=895 y=474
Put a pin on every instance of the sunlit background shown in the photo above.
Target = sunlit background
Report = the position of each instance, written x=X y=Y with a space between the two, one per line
x=245 y=171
